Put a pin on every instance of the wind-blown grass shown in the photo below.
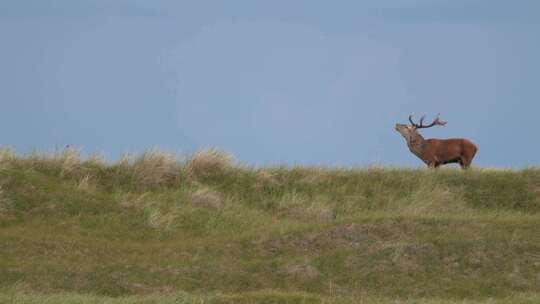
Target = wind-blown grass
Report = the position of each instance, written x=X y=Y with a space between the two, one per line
x=160 y=228
x=260 y=297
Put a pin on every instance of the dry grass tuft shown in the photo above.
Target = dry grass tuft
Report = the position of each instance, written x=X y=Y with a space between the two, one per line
x=66 y=161
x=157 y=214
x=266 y=177
x=154 y=168
x=161 y=219
x=86 y=183
x=6 y=156
x=130 y=200
x=97 y=159
x=207 y=198
x=206 y=162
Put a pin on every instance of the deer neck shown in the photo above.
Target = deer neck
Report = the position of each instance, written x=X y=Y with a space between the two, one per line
x=416 y=144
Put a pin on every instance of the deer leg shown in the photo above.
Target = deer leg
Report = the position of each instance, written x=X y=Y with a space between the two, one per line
x=464 y=163
x=433 y=165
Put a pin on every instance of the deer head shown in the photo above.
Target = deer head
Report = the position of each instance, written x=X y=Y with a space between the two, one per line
x=410 y=132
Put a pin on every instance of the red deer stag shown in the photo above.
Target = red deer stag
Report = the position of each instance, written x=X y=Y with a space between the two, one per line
x=436 y=152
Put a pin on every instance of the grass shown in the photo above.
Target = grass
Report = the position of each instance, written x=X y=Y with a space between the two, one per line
x=204 y=229
x=259 y=297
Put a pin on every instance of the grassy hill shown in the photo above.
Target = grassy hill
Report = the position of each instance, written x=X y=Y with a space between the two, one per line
x=156 y=229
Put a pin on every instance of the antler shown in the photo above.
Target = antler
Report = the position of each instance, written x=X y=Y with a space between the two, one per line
x=437 y=121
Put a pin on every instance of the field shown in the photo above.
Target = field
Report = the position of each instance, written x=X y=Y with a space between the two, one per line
x=155 y=228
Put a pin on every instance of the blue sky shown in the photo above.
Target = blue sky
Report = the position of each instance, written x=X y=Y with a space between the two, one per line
x=272 y=82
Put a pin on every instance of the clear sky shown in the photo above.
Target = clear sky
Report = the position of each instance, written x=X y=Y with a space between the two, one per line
x=272 y=82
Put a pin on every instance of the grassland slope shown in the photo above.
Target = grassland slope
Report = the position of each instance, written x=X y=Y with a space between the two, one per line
x=156 y=228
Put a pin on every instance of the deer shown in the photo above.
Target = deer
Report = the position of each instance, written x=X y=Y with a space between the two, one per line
x=435 y=152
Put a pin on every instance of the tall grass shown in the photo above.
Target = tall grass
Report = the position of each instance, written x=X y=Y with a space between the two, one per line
x=157 y=227
x=262 y=297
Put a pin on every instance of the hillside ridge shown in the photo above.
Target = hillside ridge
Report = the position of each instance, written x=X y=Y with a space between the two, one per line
x=207 y=229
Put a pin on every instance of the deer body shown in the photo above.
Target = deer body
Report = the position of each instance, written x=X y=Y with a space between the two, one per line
x=436 y=152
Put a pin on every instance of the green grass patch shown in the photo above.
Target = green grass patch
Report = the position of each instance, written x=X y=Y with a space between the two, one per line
x=159 y=229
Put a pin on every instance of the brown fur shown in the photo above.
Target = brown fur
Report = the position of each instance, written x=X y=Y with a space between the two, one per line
x=438 y=152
